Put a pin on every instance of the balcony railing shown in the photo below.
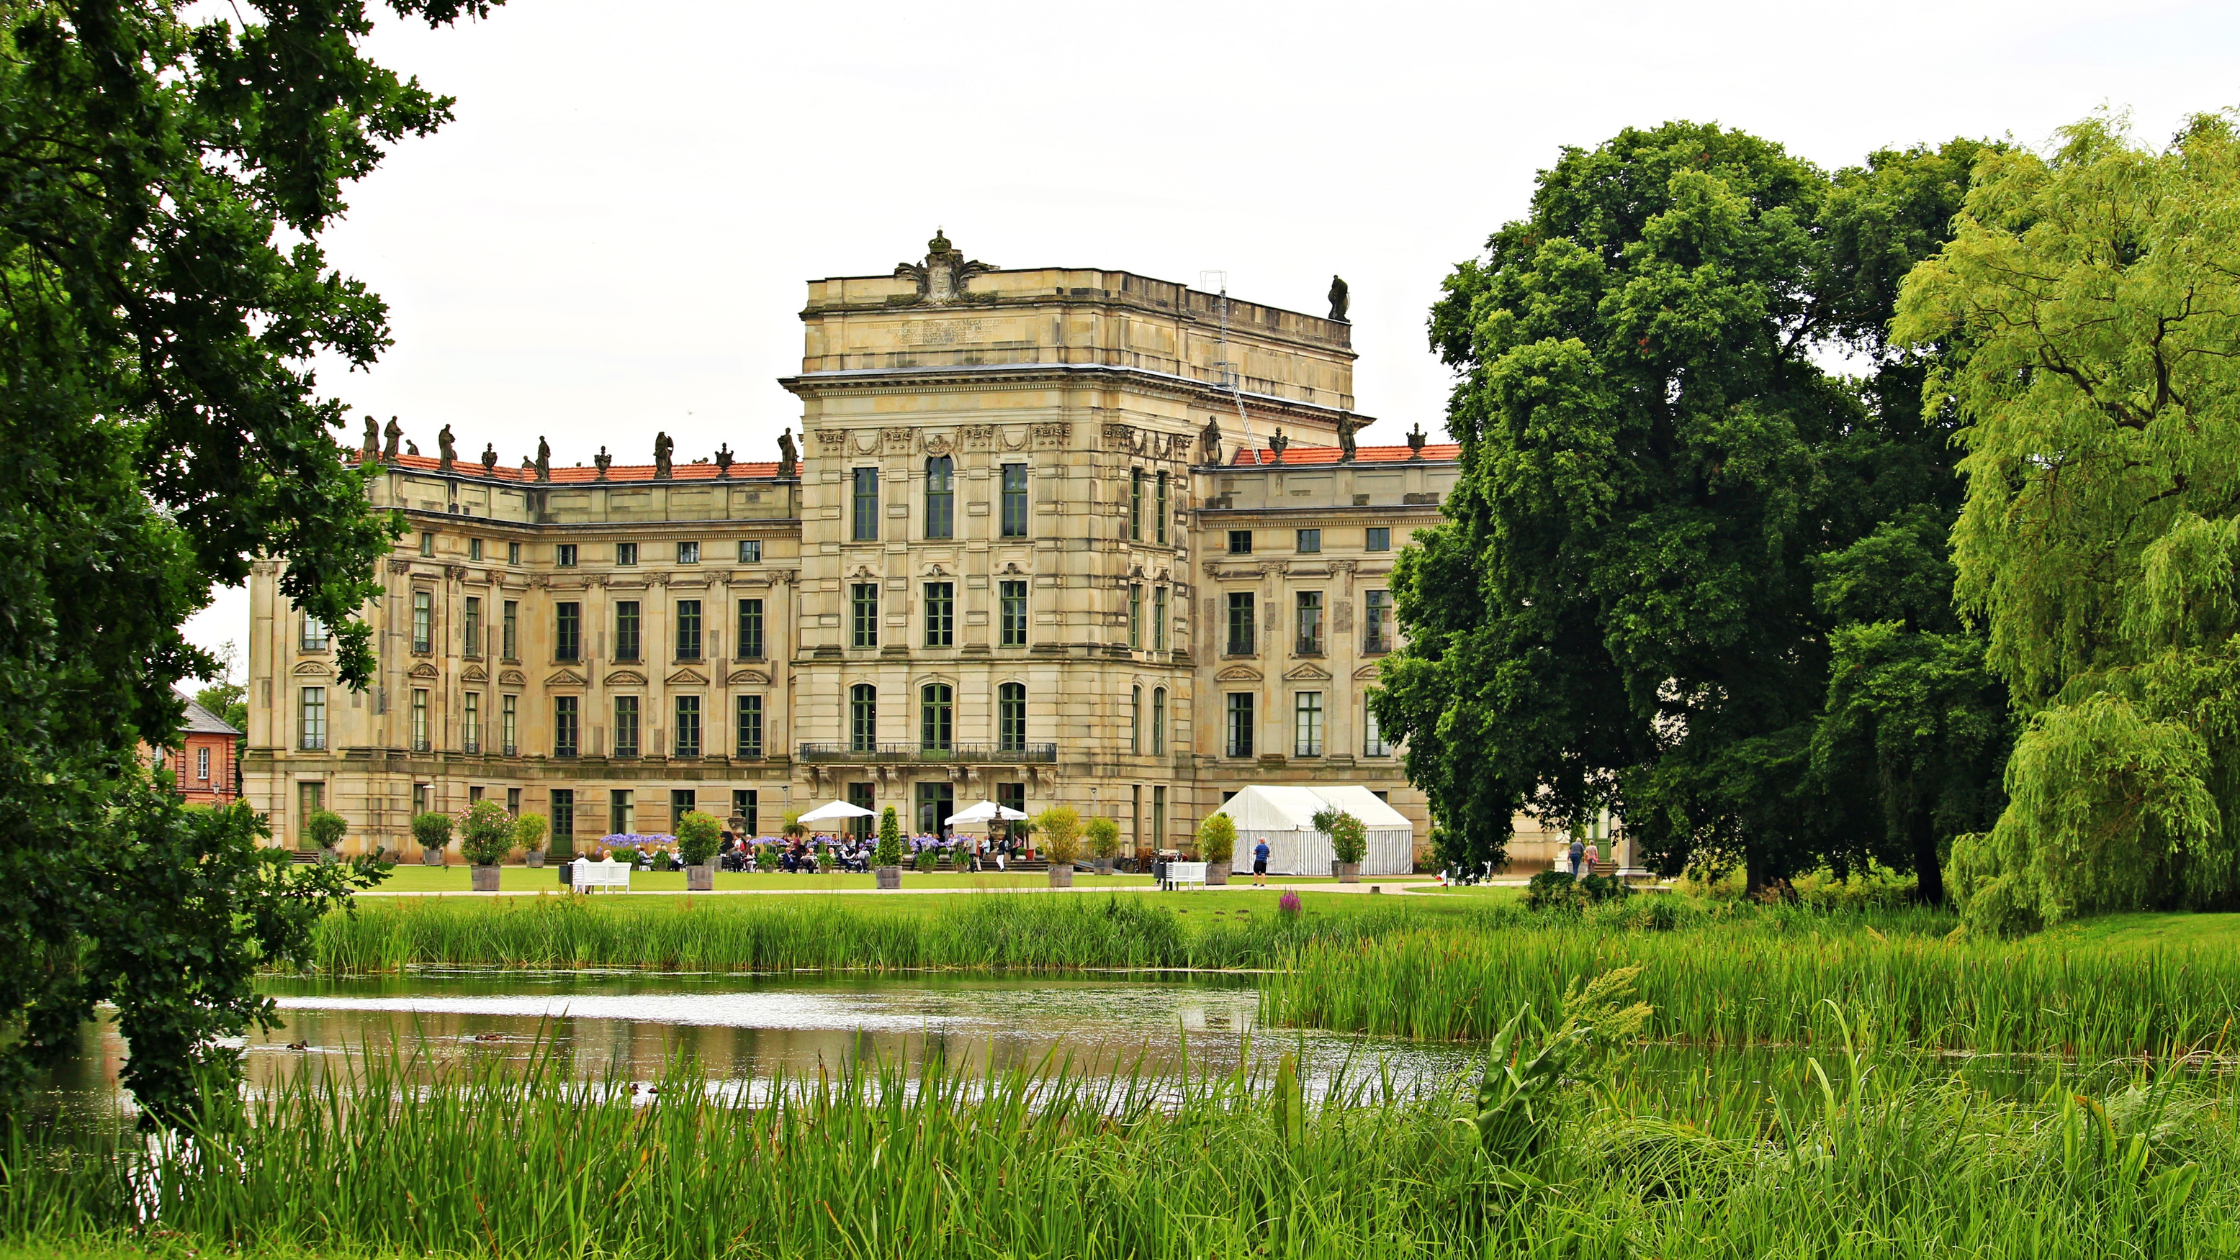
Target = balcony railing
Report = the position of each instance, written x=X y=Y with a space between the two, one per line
x=312 y=743
x=913 y=752
x=509 y=750
x=420 y=745
x=472 y=744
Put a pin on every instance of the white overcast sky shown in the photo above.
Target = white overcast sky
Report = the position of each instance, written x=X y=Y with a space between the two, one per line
x=612 y=237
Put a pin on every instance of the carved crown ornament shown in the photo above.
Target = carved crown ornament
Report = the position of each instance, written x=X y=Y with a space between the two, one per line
x=941 y=276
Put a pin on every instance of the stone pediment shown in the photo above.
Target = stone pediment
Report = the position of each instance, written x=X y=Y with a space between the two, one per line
x=313 y=667
x=1367 y=673
x=422 y=670
x=1238 y=673
x=1307 y=672
x=564 y=678
x=511 y=678
x=626 y=678
x=473 y=673
x=687 y=677
x=752 y=677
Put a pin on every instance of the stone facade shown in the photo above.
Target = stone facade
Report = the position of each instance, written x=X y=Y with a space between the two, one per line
x=1009 y=564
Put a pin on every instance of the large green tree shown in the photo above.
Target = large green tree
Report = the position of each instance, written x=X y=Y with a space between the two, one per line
x=1631 y=601
x=163 y=185
x=2094 y=296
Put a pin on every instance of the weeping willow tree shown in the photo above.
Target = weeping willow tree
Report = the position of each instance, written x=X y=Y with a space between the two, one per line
x=2096 y=290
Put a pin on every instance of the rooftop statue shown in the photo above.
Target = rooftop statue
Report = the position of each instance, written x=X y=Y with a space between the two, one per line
x=789 y=459
x=489 y=459
x=446 y=453
x=395 y=431
x=604 y=461
x=940 y=278
x=1277 y=444
x=1209 y=441
x=723 y=460
x=544 y=459
x=663 y=447
x=1347 y=427
x=370 y=449
x=1338 y=302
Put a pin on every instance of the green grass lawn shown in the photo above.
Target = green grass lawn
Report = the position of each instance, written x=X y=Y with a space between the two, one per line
x=2151 y=930
x=434 y=879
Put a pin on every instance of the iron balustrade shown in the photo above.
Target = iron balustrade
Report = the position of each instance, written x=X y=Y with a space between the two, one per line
x=863 y=754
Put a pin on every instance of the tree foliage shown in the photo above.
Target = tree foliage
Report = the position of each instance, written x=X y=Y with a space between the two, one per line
x=163 y=184
x=2095 y=293
x=1667 y=505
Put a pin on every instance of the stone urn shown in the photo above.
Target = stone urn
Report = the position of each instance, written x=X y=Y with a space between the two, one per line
x=1061 y=875
x=431 y=857
x=533 y=858
x=1217 y=872
x=700 y=878
x=485 y=878
x=890 y=877
x=1349 y=872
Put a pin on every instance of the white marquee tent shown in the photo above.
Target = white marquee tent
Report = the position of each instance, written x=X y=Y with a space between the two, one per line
x=1283 y=815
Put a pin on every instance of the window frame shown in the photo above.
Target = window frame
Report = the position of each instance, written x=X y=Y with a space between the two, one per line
x=1240 y=542
x=1158 y=721
x=937 y=717
x=423 y=621
x=940 y=517
x=863 y=615
x=1238 y=723
x=1373 y=742
x=311 y=635
x=1241 y=634
x=626 y=555
x=1376 y=538
x=509 y=724
x=1376 y=610
x=750 y=551
x=1011 y=612
x=470 y=634
x=747 y=721
x=864 y=505
x=1159 y=513
x=567 y=630
x=564 y=555
x=941 y=614
x=687 y=712
x=863 y=717
x=688 y=551
x=1308 y=612
x=629 y=630
x=470 y=721
x=1309 y=542
x=690 y=641
x=419 y=722
x=634 y=727
x=567 y=726
x=749 y=644
x=1014 y=525
x=1135 y=720
x=1159 y=618
x=1011 y=717
x=510 y=638
x=1309 y=724
x=1135 y=616
x=1135 y=505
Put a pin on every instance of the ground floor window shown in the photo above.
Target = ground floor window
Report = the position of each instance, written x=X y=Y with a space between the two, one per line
x=620 y=806
x=310 y=799
x=513 y=802
x=1159 y=816
x=1240 y=724
x=682 y=801
x=936 y=801
x=1012 y=796
x=860 y=795
x=743 y=807
x=563 y=822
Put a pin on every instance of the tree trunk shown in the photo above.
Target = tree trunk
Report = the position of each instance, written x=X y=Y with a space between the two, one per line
x=1926 y=868
x=1753 y=872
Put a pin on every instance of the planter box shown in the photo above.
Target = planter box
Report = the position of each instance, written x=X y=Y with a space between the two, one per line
x=700 y=879
x=1104 y=866
x=485 y=878
x=889 y=876
x=1217 y=872
x=431 y=857
x=1061 y=876
x=1349 y=872
x=533 y=858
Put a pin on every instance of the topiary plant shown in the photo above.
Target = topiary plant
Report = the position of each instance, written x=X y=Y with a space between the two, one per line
x=1217 y=838
x=528 y=832
x=432 y=830
x=1104 y=837
x=325 y=828
x=1060 y=829
x=486 y=833
x=889 y=852
x=698 y=837
x=1349 y=838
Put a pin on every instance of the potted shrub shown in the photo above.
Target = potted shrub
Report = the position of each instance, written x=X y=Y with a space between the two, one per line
x=485 y=837
x=887 y=858
x=325 y=828
x=1104 y=840
x=528 y=833
x=433 y=831
x=1060 y=829
x=1217 y=843
x=1349 y=841
x=794 y=828
x=698 y=837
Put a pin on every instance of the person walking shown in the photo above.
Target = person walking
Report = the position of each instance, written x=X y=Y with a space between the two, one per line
x=1594 y=856
x=1260 y=865
x=1578 y=854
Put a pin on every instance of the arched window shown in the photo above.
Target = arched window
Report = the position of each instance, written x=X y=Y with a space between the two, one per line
x=936 y=717
x=941 y=497
x=1011 y=717
x=1135 y=719
x=1159 y=722
x=863 y=718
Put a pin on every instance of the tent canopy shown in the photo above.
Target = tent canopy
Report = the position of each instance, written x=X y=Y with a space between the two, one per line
x=985 y=811
x=1282 y=816
x=832 y=810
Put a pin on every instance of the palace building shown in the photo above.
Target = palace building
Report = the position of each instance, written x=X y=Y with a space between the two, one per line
x=1051 y=536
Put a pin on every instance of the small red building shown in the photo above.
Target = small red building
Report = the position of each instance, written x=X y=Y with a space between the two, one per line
x=204 y=764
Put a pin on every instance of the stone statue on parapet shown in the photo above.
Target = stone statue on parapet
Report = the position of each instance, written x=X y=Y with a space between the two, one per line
x=1338 y=300
x=1415 y=441
x=604 y=461
x=489 y=459
x=411 y=447
x=1347 y=427
x=1209 y=441
x=940 y=278
x=789 y=459
x=723 y=460
x=1277 y=444
x=544 y=459
x=446 y=453
x=370 y=449
x=528 y=468
x=663 y=447
x=394 y=431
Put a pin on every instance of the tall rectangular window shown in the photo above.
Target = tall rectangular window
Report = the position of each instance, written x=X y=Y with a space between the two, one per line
x=1159 y=619
x=1135 y=720
x=682 y=801
x=866 y=505
x=509 y=633
x=750 y=551
x=423 y=621
x=1135 y=615
x=746 y=807
x=1012 y=796
x=688 y=629
x=310 y=799
x=941 y=614
x=750 y=629
x=311 y=719
x=1159 y=722
x=863 y=614
x=621 y=805
x=1377 y=538
x=563 y=810
x=509 y=724
x=1012 y=596
x=471 y=725
x=427 y=543
x=1306 y=734
x=564 y=555
x=566 y=714
x=473 y=627
x=1159 y=817
x=314 y=638
x=941 y=497
x=1372 y=739
x=626 y=726
x=567 y=631
x=1011 y=717
x=937 y=717
x=626 y=626
x=1310 y=623
x=1159 y=513
x=688 y=553
x=202 y=764
x=1240 y=542
x=1376 y=635
x=750 y=726
x=863 y=718
x=419 y=719
x=1240 y=724
x=1014 y=500
x=1310 y=541
x=1240 y=623
x=688 y=726
x=1135 y=505
x=625 y=554
x=513 y=553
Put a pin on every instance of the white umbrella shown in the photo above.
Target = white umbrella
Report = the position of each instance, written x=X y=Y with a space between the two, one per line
x=831 y=810
x=985 y=811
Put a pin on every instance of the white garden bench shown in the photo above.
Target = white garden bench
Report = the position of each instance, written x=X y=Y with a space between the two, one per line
x=585 y=875
x=1180 y=873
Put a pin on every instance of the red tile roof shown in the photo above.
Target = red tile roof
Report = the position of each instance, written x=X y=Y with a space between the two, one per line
x=587 y=474
x=1296 y=455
